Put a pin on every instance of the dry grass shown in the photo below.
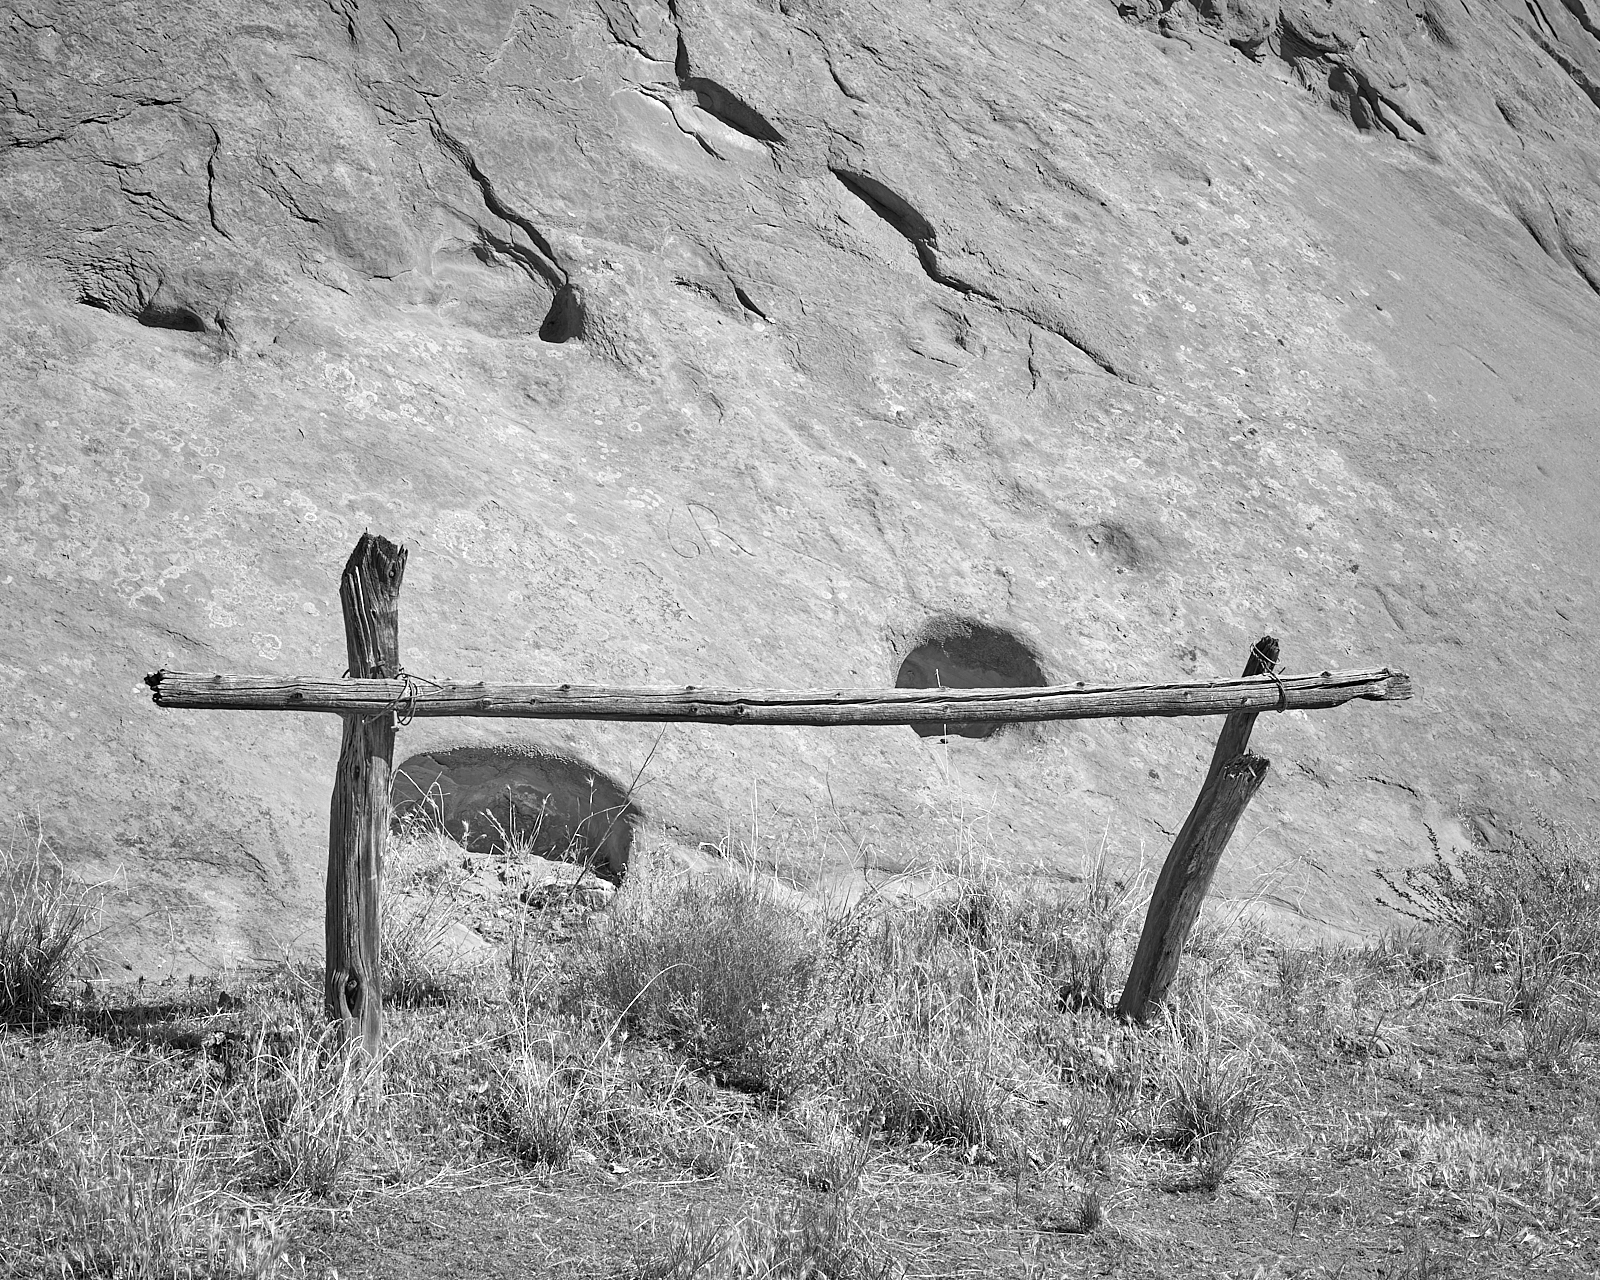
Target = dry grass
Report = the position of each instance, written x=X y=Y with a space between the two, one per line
x=826 y=1085
x=802 y=1237
x=724 y=968
x=1212 y=1094
x=113 y=1165
x=47 y=924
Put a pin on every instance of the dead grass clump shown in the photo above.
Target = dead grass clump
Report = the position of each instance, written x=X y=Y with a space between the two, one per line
x=47 y=923
x=1211 y=1095
x=721 y=967
x=804 y=1237
x=308 y=1107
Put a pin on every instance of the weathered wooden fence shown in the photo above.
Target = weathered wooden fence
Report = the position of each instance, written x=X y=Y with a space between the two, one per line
x=376 y=696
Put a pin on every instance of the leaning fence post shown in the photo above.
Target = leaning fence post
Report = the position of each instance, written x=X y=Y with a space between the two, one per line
x=358 y=821
x=1230 y=782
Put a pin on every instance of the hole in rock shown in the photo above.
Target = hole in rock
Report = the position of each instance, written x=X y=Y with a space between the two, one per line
x=565 y=318
x=962 y=653
x=171 y=315
x=522 y=803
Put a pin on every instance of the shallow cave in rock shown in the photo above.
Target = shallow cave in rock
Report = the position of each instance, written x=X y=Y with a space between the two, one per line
x=513 y=802
x=172 y=315
x=963 y=653
x=565 y=319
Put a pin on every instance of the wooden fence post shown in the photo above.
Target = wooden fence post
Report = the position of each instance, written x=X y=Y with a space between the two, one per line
x=1230 y=782
x=358 y=822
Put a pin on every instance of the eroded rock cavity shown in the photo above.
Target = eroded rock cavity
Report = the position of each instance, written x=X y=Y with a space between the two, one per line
x=954 y=652
x=507 y=801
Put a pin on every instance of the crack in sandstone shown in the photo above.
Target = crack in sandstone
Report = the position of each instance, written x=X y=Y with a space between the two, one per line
x=1578 y=11
x=568 y=316
x=1577 y=74
x=211 y=184
x=718 y=100
x=916 y=229
x=540 y=260
x=661 y=95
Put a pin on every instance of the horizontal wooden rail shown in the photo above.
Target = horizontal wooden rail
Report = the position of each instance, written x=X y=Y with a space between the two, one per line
x=410 y=697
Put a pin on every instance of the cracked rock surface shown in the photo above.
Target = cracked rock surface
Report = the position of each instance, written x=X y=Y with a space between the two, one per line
x=741 y=343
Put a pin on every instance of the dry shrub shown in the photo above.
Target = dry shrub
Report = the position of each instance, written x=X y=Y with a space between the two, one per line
x=1533 y=908
x=723 y=968
x=1525 y=919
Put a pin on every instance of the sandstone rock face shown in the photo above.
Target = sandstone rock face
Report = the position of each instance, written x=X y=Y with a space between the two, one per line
x=742 y=342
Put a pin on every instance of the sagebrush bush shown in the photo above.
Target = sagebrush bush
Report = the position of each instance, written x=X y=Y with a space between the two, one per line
x=723 y=968
x=1533 y=907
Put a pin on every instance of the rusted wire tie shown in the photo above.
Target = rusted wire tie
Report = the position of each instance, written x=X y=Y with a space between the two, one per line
x=408 y=696
x=1283 y=690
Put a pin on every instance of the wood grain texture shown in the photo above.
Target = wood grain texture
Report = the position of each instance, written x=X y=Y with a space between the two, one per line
x=1235 y=736
x=1250 y=695
x=358 y=820
x=1185 y=876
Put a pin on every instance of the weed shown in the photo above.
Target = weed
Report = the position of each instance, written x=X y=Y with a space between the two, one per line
x=47 y=923
x=1211 y=1096
x=804 y=1237
x=721 y=967
x=309 y=1106
x=1532 y=908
